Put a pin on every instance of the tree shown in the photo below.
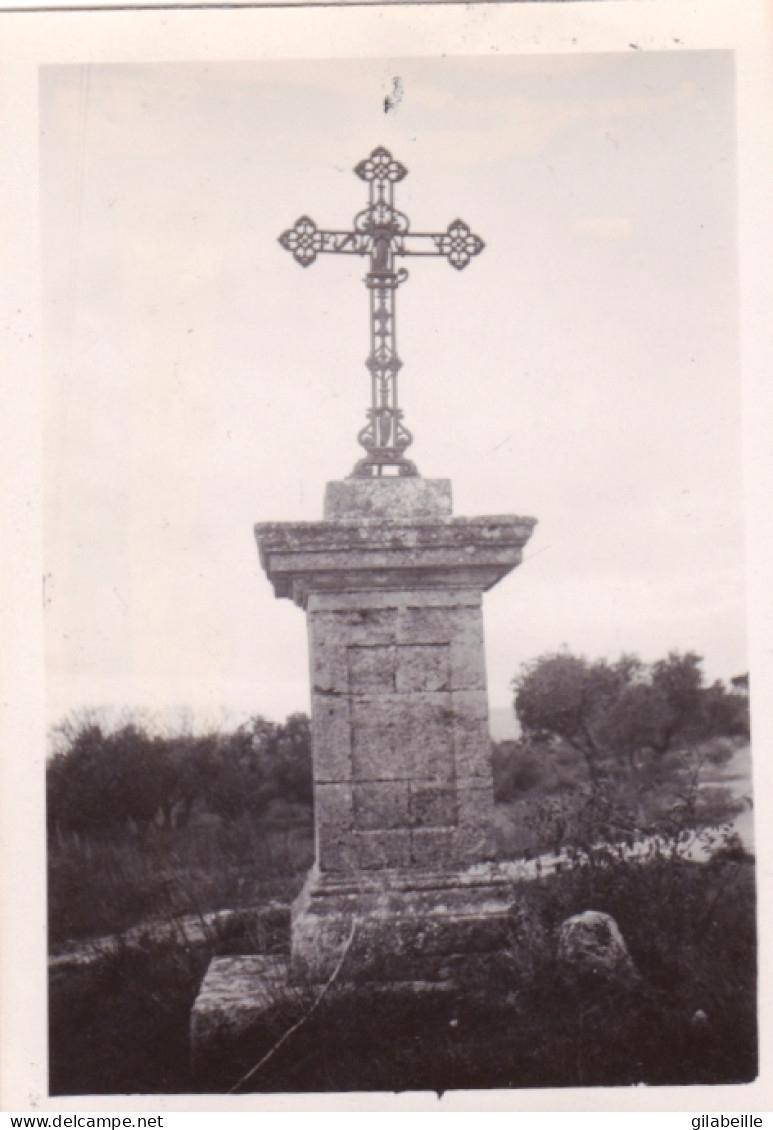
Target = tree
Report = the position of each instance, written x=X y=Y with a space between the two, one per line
x=568 y=697
x=623 y=714
x=292 y=769
x=101 y=777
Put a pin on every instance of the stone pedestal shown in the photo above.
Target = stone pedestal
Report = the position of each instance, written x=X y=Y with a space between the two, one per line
x=392 y=587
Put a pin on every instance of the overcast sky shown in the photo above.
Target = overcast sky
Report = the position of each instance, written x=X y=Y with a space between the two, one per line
x=583 y=370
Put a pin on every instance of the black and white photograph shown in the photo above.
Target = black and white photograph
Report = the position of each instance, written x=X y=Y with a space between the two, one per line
x=394 y=530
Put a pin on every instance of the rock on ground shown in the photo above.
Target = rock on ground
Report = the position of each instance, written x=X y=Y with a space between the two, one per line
x=591 y=943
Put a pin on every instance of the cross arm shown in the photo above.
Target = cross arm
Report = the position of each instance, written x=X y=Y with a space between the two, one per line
x=306 y=241
x=458 y=244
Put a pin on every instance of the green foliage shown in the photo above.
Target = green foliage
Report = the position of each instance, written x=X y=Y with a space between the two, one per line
x=624 y=716
x=624 y=750
x=101 y=780
x=519 y=767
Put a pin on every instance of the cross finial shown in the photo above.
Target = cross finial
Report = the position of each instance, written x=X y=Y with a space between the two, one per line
x=382 y=233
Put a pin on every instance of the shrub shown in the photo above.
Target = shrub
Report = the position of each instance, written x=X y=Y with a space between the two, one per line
x=622 y=716
x=519 y=767
x=101 y=780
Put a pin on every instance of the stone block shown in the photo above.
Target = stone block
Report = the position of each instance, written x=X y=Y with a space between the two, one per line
x=468 y=669
x=473 y=845
x=372 y=668
x=336 y=850
x=318 y=942
x=393 y=499
x=381 y=805
x=472 y=749
x=431 y=847
x=470 y=706
x=441 y=598
x=331 y=738
x=468 y=657
x=438 y=935
x=377 y=760
x=355 y=601
x=424 y=736
x=432 y=807
x=475 y=806
x=422 y=667
x=367 y=626
x=377 y=754
x=328 y=661
x=379 y=850
x=349 y=626
x=412 y=923
x=333 y=805
x=425 y=624
x=304 y=558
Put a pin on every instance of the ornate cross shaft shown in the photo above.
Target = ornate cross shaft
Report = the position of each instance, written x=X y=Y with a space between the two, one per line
x=382 y=232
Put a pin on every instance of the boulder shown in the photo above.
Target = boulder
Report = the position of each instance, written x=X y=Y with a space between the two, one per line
x=590 y=944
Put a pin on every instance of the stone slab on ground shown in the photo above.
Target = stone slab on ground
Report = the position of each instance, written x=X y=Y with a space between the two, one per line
x=235 y=993
x=238 y=992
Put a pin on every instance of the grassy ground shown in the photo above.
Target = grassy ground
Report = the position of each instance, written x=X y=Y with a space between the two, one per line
x=101 y=887
x=121 y=1026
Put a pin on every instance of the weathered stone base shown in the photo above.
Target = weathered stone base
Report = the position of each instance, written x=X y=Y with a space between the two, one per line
x=400 y=925
x=397 y=932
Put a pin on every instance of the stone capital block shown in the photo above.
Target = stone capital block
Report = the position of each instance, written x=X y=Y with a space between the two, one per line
x=364 y=500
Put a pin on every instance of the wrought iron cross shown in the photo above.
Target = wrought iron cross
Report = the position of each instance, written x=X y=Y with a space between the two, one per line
x=382 y=232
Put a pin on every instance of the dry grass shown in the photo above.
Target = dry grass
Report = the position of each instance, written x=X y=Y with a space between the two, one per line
x=102 y=887
x=122 y=1025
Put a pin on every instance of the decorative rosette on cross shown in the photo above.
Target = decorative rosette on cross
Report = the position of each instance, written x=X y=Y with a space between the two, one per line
x=459 y=244
x=381 y=166
x=304 y=239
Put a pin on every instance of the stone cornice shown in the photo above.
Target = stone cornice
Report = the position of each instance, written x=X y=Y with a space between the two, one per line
x=304 y=557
